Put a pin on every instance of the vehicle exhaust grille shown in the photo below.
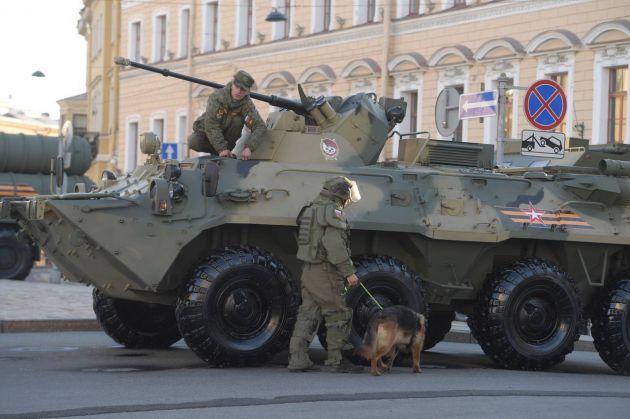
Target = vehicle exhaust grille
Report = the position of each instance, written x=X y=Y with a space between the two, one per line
x=455 y=155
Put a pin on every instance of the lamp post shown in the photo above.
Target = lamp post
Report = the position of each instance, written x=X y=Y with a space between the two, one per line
x=275 y=16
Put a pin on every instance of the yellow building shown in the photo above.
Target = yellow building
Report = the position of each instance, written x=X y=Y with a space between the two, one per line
x=408 y=48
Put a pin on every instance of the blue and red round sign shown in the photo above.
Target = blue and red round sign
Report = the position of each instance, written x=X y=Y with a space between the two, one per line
x=545 y=104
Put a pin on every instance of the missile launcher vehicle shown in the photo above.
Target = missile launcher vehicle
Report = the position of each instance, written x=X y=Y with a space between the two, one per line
x=25 y=170
x=204 y=248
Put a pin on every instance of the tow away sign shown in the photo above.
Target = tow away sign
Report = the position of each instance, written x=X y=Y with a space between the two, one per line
x=542 y=144
x=477 y=105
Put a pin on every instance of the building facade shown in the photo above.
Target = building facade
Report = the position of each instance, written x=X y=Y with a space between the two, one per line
x=400 y=48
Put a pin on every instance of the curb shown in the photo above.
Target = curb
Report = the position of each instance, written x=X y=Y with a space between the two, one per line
x=60 y=325
x=91 y=325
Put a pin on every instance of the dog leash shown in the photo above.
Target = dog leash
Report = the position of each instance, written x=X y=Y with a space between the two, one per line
x=368 y=293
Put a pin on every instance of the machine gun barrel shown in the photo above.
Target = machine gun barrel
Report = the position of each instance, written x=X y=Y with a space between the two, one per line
x=272 y=100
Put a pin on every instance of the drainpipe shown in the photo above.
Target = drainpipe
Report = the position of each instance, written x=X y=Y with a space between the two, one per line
x=189 y=64
x=385 y=57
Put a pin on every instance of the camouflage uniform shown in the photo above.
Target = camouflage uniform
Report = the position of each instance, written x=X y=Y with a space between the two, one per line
x=220 y=126
x=323 y=245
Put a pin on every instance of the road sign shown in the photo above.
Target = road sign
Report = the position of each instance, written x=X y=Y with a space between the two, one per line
x=545 y=104
x=477 y=105
x=169 y=151
x=446 y=119
x=542 y=144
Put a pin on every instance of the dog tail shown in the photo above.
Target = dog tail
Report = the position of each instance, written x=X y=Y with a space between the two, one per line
x=366 y=350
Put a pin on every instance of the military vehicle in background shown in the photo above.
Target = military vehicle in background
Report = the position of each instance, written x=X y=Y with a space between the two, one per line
x=25 y=170
x=204 y=248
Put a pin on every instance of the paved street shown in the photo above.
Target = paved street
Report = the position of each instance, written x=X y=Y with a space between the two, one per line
x=85 y=374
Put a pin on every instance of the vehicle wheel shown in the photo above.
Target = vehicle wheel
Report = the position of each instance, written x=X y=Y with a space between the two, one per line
x=556 y=150
x=439 y=324
x=390 y=282
x=543 y=142
x=611 y=327
x=239 y=308
x=135 y=324
x=16 y=258
x=530 y=148
x=528 y=315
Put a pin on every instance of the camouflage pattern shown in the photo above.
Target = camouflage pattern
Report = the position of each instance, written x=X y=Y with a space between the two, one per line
x=442 y=214
x=243 y=79
x=220 y=126
x=323 y=244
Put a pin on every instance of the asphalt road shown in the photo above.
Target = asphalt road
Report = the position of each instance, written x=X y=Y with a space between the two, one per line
x=85 y=374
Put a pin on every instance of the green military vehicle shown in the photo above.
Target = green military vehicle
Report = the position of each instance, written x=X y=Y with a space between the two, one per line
x=204 y=248
x=25 y=168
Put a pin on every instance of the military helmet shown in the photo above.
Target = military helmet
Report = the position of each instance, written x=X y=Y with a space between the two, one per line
x=243 y=79
x=343 y=188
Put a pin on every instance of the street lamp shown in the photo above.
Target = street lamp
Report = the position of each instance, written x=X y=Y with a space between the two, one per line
x=38 y=74
x=275 y=16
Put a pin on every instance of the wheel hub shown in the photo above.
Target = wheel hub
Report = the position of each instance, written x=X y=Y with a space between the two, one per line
x=243 y=310
x=537 y=318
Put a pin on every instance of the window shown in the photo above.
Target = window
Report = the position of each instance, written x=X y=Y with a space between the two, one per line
x=182 y=130
x=617 y=103
x=184 y=19
x=135 y=41
x=365 y=12
x=509 y=110
x=371 y=10
x=210 y=27
x=414 y=7
x=159 y=37
x=157 y=126
x=563 y=80
x=245 y=22
x=131 y=154
x=322 y=15
x=413 y=111
x=281 y=30
x=79 y=124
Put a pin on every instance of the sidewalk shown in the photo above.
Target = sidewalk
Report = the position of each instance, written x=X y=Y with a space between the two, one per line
x=43 y=303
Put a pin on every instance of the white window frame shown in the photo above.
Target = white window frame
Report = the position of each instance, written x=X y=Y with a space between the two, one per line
x=154 y=117
x=156 y=36
x=606 y=58
x=560 y=63
x=181 y=131
x=317 y=16
x=494 y=69
x=450 y=77
x=131 y=143
x=278 y=28
x=240 y=23
x=207 y=43
x=404 y=85
x=359 y=12
x=131 y=47
x=184 y=32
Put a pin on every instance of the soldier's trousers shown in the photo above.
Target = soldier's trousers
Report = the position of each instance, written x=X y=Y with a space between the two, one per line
x=198 y=141
x=322 y=298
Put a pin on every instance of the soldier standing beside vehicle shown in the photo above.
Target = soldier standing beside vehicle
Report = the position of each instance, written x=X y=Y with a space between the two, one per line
x=323 y=246
x=229 y=109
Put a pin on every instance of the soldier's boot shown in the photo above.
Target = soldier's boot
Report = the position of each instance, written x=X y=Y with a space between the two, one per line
x=338 y=328
x=305 y=325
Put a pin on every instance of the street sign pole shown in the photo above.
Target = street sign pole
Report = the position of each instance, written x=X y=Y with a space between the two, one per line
x=501 y=105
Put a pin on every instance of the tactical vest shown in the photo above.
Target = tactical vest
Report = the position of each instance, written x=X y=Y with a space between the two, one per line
x=312 y=221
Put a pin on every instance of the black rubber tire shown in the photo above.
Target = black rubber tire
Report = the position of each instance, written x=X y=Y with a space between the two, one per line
x=439 y=324
x=239 y=307
x=611 y=326
x=528 y=315
x=390 y=282
x=135 y=324
x=16 y=258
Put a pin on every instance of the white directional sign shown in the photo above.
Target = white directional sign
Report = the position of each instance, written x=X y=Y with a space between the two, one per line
x=169 y=151
x=477 y=105
x=542 y=144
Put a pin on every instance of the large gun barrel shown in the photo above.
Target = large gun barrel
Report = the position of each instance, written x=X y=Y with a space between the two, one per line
x=272 y=100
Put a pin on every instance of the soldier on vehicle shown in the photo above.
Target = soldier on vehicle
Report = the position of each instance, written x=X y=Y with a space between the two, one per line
x=229 y=109
x=323 y=245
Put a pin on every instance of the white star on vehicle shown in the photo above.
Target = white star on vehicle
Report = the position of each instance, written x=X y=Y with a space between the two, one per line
x=535 y=216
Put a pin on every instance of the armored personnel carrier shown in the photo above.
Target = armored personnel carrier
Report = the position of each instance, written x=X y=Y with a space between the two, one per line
x=24 y=171
x=204 y=248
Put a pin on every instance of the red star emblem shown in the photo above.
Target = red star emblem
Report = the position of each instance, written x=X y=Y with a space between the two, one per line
x=534 y=215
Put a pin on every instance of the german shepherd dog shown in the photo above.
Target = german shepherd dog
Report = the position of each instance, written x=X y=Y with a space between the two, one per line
x=393 y=328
